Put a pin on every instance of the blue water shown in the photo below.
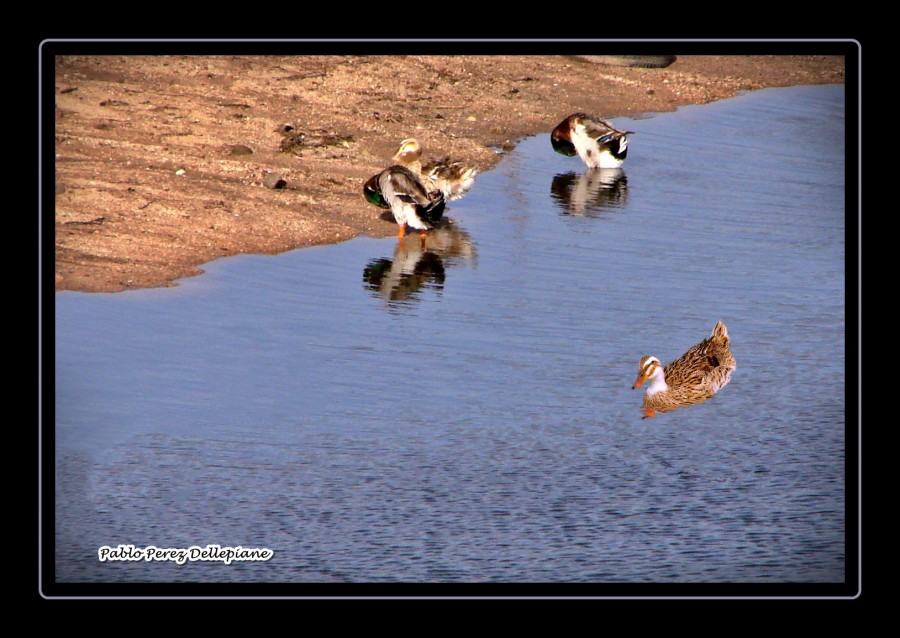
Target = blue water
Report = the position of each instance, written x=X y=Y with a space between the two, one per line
x=463 y=411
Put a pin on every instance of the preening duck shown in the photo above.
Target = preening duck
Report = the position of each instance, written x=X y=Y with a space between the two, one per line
x=692 y=378
x=595 y=141
x=452 y=177
x=411 y=203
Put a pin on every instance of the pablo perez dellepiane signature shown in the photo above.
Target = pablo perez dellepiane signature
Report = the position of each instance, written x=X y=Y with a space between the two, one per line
x=182 y=555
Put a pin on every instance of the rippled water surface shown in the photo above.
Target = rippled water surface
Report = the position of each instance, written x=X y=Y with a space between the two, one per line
x=463 y=411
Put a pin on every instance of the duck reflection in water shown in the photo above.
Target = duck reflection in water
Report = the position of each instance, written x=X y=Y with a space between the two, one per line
x=597 y=190
x=418 y=263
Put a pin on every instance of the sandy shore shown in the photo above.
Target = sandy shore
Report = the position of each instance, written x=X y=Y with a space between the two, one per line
x=164 y=163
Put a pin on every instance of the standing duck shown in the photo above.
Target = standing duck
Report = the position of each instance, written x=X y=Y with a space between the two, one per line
x=451 y=177
x=692 y=378
x=595 y=141
x=411 y=203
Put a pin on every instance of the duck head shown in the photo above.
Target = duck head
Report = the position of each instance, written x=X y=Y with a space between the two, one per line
x=648 y=369
x=372 y=191
x=561 y=140
x=409 y=151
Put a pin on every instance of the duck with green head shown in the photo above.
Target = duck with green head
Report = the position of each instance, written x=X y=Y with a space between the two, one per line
x=399 y=189
x=595 y=141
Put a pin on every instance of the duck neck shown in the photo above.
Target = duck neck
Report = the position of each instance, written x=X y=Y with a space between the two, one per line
x=410 y=161
x=657 y=383
x=415 y=165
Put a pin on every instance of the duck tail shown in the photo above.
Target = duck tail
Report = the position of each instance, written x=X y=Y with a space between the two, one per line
x=617 y=144
x=433 y=210
x=720 y=335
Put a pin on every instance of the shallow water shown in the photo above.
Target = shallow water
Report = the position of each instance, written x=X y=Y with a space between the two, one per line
x=463 y=412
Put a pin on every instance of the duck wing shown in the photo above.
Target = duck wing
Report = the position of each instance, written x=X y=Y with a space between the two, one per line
x=398 y=182
x=600 y=130
x=709 y=363
x=452 y=177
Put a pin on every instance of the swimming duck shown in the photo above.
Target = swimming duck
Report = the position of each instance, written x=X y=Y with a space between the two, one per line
x=451 y=177
x=595 y=141
x=411 y=203
x=692 y=378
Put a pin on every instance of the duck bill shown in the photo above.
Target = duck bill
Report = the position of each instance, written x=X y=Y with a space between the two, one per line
x=640 y=381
